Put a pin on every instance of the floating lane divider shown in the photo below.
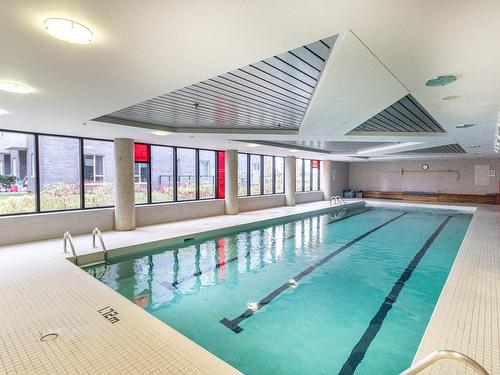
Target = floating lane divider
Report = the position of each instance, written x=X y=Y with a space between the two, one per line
x=359 y=350
x=233 y=324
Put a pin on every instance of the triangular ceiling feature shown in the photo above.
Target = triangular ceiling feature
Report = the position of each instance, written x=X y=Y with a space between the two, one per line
x=454 y=148
x=404 y=116
x=271 y=94
x=355 y=85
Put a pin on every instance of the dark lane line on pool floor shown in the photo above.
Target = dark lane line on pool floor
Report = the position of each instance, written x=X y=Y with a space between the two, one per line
x=233 y=324
x=359 y=350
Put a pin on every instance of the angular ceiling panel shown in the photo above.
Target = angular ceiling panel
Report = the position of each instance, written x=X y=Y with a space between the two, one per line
x=404 y=116
x=270 y=94
x=454 y=148
x=327 y=147
x=354 y=86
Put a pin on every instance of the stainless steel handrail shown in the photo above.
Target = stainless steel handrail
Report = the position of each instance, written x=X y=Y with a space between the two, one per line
x=440 y=355
x=97 y=232
x=67 y=238
x=338 y=200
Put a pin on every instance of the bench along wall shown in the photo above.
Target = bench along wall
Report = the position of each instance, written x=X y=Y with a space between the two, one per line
x=386 y=176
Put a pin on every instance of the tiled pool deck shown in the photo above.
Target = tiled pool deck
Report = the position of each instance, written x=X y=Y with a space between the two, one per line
x=41 y=292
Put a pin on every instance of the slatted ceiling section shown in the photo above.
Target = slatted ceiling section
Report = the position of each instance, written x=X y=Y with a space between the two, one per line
x=269 y=94
x=406 y=115
x=446 y=149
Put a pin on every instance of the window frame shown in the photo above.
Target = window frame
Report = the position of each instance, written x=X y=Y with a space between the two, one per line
x=248 y=156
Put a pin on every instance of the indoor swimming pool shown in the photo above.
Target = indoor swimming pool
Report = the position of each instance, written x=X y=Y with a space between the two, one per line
x=308 y=296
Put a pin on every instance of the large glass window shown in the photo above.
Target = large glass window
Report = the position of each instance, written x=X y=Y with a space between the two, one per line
x=315 y=174
x=141 y=172
x=279 y=169
x=98 y=173
x=186 y=174
x=242 y=174
x=307 y=175
x=59 y=173
x=268 y=175
x=255 y=173
x=207 y=174
x=17 y=173
x=298 y=175
x=162 y=174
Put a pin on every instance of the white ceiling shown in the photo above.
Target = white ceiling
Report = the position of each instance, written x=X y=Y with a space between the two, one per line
x=143 y=50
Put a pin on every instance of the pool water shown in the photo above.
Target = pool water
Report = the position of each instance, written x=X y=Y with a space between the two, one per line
x=308 y=296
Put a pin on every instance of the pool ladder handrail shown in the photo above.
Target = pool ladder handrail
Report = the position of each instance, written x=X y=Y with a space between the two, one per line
x=67 y=238
x=338 y=200
x=97 y=232
x=440 y=355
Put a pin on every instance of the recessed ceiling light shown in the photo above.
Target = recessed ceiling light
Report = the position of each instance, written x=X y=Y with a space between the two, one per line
x=475 y=146
x=293 y=150
x=68 y=30
x=15 y=87
x=451 y=97
x=252 y=145
x=160 y=133
x=441 y=80
x=463 y=126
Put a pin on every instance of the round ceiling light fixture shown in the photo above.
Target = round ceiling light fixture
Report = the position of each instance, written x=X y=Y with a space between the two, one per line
x=464 y=126
x=68 y=30
x=160 y=133
x=441 y=81
x=451 y=97
x=17 y=88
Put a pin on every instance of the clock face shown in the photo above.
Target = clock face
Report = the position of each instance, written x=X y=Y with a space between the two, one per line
x=425 y=167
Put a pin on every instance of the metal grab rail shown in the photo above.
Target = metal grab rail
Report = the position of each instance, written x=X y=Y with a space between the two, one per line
x=97 y=232
x=444 y=354
x=338 y=200
x=67 y=238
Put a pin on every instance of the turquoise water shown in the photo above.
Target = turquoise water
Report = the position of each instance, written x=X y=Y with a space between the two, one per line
x=313 y=325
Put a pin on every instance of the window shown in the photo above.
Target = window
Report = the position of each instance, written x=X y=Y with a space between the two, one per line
x=299 y=163
x=162 y=174
x=17 y=175
x=98 y=173
x=268 y=175
x=221 y=173
x=141 y=172
x=242 y=174
x=207 y=174
x=186 y=174
x=59 y=173
x=307 y=175
x=315 y=174
x=279 y=173
x=255 y=175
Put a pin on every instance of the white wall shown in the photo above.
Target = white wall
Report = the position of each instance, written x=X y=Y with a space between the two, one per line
x=386 y=176
x=260 y=202
x=308 y=196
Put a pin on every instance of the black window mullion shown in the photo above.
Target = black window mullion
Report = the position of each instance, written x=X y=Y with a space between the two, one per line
x=217 y=173
x=37 y=174
x=82 y=174
x=174 y=177
x=310 y=175
x=197 y=173
x=303 y=174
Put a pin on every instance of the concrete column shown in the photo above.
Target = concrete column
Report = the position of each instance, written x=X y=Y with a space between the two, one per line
x=326 y=179
x=290 y=177
x=124 y=184
x=231 y=182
